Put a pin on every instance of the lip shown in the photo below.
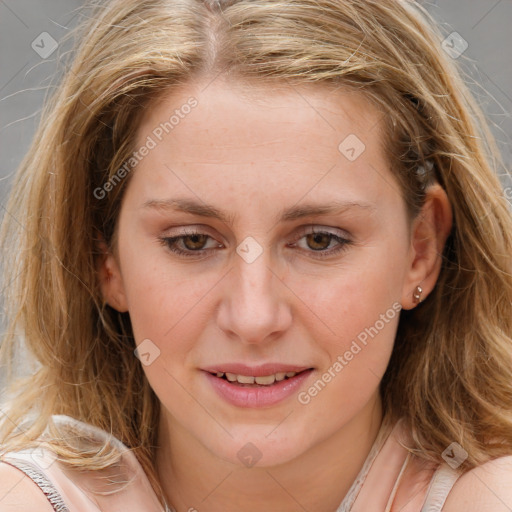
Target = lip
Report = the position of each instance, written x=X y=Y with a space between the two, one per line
x=257 y=397
x=255 y=371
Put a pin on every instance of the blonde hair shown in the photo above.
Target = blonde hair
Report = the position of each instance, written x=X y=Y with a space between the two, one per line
x=449 y=376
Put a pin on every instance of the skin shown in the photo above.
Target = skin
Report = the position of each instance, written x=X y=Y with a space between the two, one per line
x=252 y=153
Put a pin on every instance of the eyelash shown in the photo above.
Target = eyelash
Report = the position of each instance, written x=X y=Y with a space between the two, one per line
x=169 y=243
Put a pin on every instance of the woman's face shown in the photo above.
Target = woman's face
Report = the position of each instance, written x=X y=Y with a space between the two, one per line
x=221 y=271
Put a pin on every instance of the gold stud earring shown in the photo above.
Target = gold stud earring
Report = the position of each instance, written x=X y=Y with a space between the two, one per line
x=416 y=296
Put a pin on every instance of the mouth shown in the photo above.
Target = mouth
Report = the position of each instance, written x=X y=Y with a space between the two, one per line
x=252 y=381
x=263 y=386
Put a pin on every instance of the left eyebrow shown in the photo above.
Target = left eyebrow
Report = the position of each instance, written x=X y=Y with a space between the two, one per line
x=201 y=209
x=335 y=208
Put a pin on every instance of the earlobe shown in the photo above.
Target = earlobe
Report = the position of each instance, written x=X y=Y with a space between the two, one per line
x=110 y=279
x=429 y=233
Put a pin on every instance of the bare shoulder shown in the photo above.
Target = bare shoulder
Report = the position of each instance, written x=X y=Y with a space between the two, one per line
x=486 y=488
x=19 y=493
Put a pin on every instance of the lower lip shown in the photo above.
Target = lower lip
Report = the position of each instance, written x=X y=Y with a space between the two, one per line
x=261 y=396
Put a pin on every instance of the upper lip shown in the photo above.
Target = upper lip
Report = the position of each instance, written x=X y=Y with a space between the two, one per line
x=255 y=371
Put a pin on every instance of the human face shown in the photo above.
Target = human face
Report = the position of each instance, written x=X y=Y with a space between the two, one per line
x=285 y=298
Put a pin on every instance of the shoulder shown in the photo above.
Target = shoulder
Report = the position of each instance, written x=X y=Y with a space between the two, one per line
x=486 y=488
x=18 y=493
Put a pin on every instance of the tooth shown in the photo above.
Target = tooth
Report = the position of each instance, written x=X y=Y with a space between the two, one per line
x=231 y=377
x=280 y=376
x=291 y=374
x=220 y=374
x=244 y=379
x=265 y=380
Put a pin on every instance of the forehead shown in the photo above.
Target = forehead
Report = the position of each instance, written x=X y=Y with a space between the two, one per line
x=235 y=107
x=244 y=139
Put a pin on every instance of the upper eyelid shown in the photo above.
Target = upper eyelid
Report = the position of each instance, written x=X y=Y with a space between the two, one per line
x=300 y=232
x=204 y=230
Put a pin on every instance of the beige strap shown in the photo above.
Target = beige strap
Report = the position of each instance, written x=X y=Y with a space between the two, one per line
x=397 y=483
x=39 y=478
x=440 y=486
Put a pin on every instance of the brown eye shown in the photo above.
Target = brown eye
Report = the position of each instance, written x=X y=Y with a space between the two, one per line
x=322 y=244
x=319 y=241
x=197 y=241
x=190 y=244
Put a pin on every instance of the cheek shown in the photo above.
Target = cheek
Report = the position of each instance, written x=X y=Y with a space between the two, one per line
x=362 y=330
x=356 y=313
x=166 y=306
x=163 y=298
x=349 y=298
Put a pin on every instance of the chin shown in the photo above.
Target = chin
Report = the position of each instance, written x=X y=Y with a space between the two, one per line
x=255 y=447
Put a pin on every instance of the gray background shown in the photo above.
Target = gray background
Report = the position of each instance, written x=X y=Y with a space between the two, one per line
x=25 y=76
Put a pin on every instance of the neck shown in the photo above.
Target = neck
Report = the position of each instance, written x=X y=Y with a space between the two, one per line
x=196 y=480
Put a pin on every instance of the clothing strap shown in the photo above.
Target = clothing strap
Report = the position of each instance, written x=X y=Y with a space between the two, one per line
x=397 y=483
x=440 y=486
x=384 y=433
x=39 y=478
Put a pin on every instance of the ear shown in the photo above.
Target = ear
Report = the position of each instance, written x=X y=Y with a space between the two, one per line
x=429 y=232
x=110 y=278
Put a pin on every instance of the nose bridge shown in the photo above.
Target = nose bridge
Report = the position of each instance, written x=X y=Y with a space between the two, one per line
x=253 y=305
x=252 y=272
x=260 y=282
x=255 y=284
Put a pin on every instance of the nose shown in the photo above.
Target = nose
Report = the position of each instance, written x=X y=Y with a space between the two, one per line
x=254 y=306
